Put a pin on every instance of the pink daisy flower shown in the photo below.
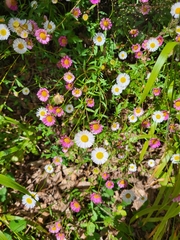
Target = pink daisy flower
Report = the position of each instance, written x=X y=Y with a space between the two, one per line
x=176 y=104
x=43 y=94
x=65 y=150
x=75 y=206
x=138 y=54
x=94 y=1
x=145 y=9
x=166 y=115
x=68 y=77
x=42 y=36
x=34 y=25
x=96 y=127
x=144 y=44
x=96 y=198
x=144 y=1
x=48 y=120
x=69 y=86
x=63 y=41
x=58 y=111
x=109 y=184
x=76 y=92
x=12 y=4
x=50 y=108
x=105 y=176
x=154 y=143
x=60 y=236
x=90 y=102
x=136 y=47
x=55 y=228
x=76 y=12
x=134 y=32
x=122 y=183
x=160 y=40
x=145 y=124
x=66 y=142
x=57 y=160
x=138 y=111
x=66 y=62
x=105 y=24
x=156 y=91
x=29 y=43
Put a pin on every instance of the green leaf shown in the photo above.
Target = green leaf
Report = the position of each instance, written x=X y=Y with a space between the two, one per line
x=17 y=225
x=2 y=236
x=157 y=67
x=90 y=228
x=3 y=192
x=8 y=182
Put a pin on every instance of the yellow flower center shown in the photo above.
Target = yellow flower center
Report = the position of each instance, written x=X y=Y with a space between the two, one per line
x=84 y=138
x=95 y=126
x=105 y=23
x=67 y=140
x=15 y=24
x=99 y=39
x=76 y=205
x=123 y=79
x=42 y=36
x=66 y=62
x=152 y=45
x=29 y=200
x=99 y=155
x=158 y=116
x=49 y=26
x=44 y=93
x=3 y=32
x=177 y=103
x=176 y=158
x=49 y=118
x=138 y=110
x=114 y=125
x=42 y=113
x=20 y=46
x=177 y=11
x=116 y=89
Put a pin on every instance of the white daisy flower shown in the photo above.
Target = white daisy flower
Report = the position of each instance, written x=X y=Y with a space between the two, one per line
x=20 y=45
x=84 y=139
x=106 y=143
x=151 y=163
x=49 y=26
x=175 y=10
x=115 y=126
x=41 y=112
x=99 y=39
x=54 y=1
x=132 y=118
x=142 y=199
x=175 y=158
x=116 y=89
x=132 y=167
x=158 y=117
x=99 y=155
x=14 y=24
x=34 y=4
x=69 y=108
x=28 y=201
x=122 y=55
x=152 y=44
x=138 y=111
x=4 y=32
x=49 y=168
x=123 y=80
x=25 y=91
x=128 y=196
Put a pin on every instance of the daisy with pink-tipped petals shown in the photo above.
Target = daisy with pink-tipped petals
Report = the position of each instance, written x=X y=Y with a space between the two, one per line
x=62 y=40
x=96 y=127
x=42 y=36
x=66 y=62
x=90 y=102
x=58 y=111
x=75 y=206
x=48 y=120
x=154 y=143
x=96 y=198
x=43 y=94
x=105 y=23
x=66 y=142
